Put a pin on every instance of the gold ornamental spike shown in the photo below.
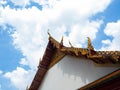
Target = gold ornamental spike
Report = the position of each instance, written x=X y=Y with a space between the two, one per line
x=61 y=41
x=48 y=33
x=70 y=44
x=89 y=44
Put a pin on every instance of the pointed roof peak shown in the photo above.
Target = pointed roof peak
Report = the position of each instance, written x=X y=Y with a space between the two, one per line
x=49 y=33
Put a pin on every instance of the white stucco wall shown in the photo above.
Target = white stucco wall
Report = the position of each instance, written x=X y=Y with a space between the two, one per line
x=72 y=73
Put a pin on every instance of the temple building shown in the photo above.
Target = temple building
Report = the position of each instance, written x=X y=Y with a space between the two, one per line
x=72 y=68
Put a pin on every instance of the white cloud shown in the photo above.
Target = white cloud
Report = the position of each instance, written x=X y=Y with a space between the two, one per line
x=2 y=2
x=47 y=3
x=23 y=61
x=107 y=42
x=112 y=29
x=1 y=72
x=20 y=2
x=27 y=36
x=80 y=32
x=61 y=17
x=20 y=78
x=1 y=19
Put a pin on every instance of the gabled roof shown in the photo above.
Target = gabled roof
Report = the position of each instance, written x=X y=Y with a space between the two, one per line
x=55 y=51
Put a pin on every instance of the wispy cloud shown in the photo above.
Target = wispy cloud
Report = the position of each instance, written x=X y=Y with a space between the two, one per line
x=112 y=29
x=20 y=2
x=1 y=72
x=20 y=77
x=70 y=18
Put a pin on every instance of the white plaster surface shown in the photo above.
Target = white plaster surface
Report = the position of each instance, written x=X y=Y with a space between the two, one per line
x=72 y=73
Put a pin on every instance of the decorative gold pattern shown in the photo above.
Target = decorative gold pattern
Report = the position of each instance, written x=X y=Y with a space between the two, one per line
x=70 y=44
x=89 y=44
x=55 y=51
x=89 y=52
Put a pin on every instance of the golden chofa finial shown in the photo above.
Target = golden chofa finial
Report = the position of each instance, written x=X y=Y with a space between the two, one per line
x=89 y=44
x=61 y=41
x=70 y=44
x=48 y=33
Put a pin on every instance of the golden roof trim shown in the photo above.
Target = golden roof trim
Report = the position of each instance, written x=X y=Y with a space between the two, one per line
x=89 y=52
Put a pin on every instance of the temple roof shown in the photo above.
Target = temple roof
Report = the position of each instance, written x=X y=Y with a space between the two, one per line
x=100 y=57
x=55 y=51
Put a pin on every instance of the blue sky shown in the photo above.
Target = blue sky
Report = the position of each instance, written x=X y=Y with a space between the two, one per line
x=24 y=25
x=111 y=14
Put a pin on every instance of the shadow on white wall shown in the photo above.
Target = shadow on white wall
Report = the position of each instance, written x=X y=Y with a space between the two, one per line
x=85 y=69
x=72 y=73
